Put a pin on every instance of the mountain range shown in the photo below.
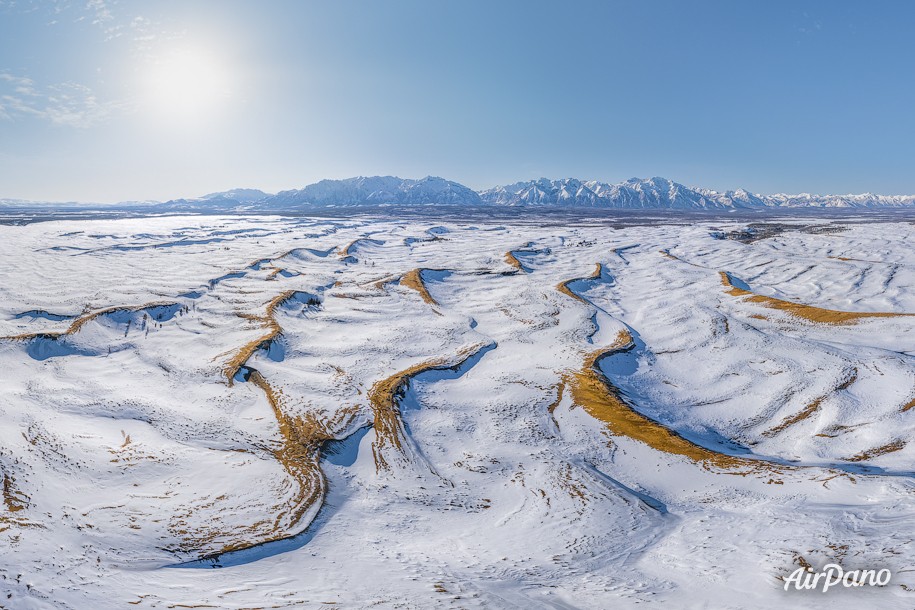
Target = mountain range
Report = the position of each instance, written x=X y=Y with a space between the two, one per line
x=635 y=193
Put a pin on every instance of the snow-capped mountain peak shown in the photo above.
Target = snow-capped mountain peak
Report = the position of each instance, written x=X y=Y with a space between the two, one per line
x=377 y=190
x=634 y=193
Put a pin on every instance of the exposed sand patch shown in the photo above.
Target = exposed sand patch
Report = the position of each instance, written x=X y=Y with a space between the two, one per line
x=563 y=287
x=272 y=327
x=302 y=439
x=908 y=405
x=414 y=279
x=13 y=500
x=300 y=453
x=349 y=248
x=385 y=397
x=811 y=408
x=84 y=319
x=870 y=454
x=806 y=312
x=666 y=254
x=513 y=262
x=602 y=400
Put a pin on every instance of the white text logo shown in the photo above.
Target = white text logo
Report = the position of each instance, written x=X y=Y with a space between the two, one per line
x=833 y=575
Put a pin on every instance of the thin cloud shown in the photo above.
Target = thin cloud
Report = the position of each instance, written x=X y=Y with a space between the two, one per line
x=99 y=13
x=66 y=104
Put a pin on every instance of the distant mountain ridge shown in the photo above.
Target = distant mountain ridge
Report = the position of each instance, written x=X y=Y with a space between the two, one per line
x=377 y=190
x=661 y=193
x=240 y=195
x=635 y=193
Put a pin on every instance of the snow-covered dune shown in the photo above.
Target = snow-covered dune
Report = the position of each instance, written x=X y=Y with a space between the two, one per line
x=402 y=414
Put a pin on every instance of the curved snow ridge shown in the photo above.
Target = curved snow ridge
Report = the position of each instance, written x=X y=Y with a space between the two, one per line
x=153 y=246
x=414 y=279
x=159 y=311
x=738 y=288
x=269 y=323
x=339 y=450
x=385 y=397
x=352 y=247
x=232 y=275
x=302 y=436
x=812 y=407
x=302 y=440
x=267 y=263
x=512 y=261
x=619 y=252
x=512 y=258
x=565 y=286
x=590 y=388
x=667 y=254
x=432 y=234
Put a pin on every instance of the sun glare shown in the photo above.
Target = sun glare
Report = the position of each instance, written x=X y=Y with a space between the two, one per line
x=186 y=83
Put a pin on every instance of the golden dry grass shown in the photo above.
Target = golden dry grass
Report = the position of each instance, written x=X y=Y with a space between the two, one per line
x=513 y=262
x=798 y=417
x=12 y=498
x=673 y=257
x=858 y=260
x=259 y=262
x=244 y=353
x=811 y=408
x=907 y=406
x=269 y=324
x=806 y=312
x=302 y=438
x=563 y=287
x=380 y=283
x=414 y=279
x=878 y=451
x=82 y=320
x=560 y=390
x=344 y=252
x=385 y=397
x=602 y=400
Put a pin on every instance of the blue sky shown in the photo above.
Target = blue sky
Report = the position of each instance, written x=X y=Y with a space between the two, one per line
x=103 y=100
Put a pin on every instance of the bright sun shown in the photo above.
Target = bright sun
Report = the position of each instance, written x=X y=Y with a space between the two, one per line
x=186 y=84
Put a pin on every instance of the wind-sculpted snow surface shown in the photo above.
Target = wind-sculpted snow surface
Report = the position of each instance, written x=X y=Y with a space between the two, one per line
x=374 y=413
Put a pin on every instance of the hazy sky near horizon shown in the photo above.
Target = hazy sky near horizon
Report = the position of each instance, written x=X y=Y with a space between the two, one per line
x=104 y=100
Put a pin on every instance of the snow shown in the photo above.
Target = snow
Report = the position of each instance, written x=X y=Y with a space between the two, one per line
x=138 y=469
x=385 y=191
